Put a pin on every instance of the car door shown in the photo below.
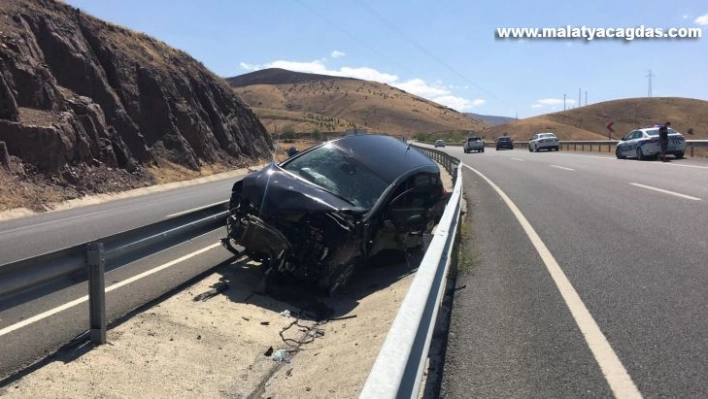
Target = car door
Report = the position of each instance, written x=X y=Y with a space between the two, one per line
x=630 y=143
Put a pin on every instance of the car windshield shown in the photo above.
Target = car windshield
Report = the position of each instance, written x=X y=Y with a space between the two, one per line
x=334 y=171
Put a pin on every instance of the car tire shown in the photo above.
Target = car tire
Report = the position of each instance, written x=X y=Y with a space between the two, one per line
x=618 y=154
x=530 y=150
x=482 y=150
x=640 y=155
x=679 y=155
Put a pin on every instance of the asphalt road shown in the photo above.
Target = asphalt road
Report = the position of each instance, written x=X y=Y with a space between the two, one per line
x=46 y=232
x=625 y=240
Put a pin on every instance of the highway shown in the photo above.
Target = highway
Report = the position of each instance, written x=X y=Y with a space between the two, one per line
x=47 y=232
x=588 y=278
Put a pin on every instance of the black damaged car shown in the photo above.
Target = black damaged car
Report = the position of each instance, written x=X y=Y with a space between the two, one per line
x=319 y=215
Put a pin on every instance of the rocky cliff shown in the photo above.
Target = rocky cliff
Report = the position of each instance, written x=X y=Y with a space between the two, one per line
x=78 y=93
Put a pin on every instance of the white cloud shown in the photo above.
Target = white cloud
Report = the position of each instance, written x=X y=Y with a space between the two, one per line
x=437 y=92
x=684 y=16
x=420 y=88
x=552 y=102
x=702 y=20
x=337 y=54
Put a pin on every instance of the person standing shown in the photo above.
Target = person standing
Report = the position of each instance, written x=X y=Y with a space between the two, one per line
x=664 y=140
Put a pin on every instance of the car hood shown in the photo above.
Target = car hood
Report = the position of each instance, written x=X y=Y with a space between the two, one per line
x=274 y=191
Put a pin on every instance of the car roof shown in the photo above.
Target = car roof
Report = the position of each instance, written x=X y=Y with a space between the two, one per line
x=386 y=156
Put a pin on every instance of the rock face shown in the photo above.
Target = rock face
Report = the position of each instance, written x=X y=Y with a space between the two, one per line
x=75 y=90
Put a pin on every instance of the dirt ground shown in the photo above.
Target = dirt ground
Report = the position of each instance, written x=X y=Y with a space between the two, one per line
x=182 y=348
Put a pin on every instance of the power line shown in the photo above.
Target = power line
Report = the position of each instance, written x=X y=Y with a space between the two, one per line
x=423 y=49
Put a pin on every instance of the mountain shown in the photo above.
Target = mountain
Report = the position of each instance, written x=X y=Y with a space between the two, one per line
x=588 y=122
x=490 y=119
x=79 y=95
x=303 y=102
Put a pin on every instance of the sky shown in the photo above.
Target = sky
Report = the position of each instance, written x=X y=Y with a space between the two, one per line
x=446 y=51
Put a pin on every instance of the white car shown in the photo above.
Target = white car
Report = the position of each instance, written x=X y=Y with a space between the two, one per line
x=644 y=143
x=547 y=141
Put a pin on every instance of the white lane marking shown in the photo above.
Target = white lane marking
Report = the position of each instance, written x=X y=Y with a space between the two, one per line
x=563 y=167
x=616 y=375
x=685 y=166
x=518 y=159
x=78 y=301
x=665 y=191
x=193 y=209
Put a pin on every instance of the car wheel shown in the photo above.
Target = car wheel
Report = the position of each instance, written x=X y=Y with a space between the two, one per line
x=679 y=155
x=530 y=150
x=482 y=150
x=640 y=155
x=618 y=154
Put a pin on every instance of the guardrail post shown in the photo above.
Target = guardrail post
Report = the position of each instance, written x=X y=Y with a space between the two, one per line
x=691 y=150
x=97 y=292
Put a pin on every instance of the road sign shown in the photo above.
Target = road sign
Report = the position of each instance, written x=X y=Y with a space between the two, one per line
x=609 y=126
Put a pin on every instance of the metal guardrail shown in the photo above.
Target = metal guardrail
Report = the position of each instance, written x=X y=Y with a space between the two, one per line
x=449 y=162
x=90 y=260
x=399 y=367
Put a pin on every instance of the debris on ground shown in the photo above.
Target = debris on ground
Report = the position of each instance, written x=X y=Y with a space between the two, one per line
x=218 y=288
x=268 y=352
x=280 y=355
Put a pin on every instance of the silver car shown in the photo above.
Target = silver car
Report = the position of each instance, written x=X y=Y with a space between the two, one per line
x=544 y=141
x=644 y=143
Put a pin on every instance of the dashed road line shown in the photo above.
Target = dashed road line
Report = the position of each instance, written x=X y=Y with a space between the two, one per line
x=666 y=191
x=563 y=167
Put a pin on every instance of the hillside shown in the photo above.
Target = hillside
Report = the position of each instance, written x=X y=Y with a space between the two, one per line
x=491 y=119
x=87 y=106
x=588 y=122
x=304 y=102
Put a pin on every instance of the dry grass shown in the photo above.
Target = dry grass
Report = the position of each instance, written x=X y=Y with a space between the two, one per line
x=349 y=102
x=588 y=123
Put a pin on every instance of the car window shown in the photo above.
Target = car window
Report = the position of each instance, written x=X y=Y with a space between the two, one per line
x=652 y=132
x=331 y=169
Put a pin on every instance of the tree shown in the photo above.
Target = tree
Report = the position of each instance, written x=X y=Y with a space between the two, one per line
x=421 y=136
x=288 y=134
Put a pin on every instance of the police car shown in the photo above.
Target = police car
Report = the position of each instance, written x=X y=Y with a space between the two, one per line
x=644 y=143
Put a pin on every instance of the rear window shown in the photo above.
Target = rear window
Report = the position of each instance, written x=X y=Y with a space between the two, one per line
x=547 y=136
x=504 y=138
x=474 y=139
x=655 y=132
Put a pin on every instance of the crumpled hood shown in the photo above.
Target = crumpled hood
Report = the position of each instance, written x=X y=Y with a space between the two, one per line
x=275 y=191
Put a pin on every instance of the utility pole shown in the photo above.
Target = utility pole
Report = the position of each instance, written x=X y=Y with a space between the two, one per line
x=650 y=75
x=580 y=103
x=586 y=97
x=563 y=102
